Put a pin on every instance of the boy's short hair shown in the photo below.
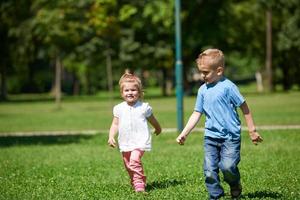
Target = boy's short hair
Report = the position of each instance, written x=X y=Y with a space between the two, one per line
x=131 y=78
x=215 y=55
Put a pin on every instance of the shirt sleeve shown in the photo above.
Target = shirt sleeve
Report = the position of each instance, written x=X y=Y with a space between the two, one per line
x=199 y=101
x=148 y=110
x=116 y=111
x=235 y=96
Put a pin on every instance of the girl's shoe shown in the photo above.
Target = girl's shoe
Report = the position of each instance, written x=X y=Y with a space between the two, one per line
x=139 y=187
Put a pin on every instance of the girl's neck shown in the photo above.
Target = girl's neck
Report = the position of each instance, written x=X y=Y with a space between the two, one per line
x=132 y=103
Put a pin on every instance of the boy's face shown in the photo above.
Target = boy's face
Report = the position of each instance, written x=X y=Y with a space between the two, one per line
x=209 y=73
x=130 y=93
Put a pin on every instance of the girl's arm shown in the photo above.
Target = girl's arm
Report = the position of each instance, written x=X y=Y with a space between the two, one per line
x=155 y=124
x=193 y=120
x=113 y=131
x=254 y=135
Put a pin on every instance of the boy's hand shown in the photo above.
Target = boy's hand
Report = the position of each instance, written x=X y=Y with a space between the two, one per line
x=111 y=142
x=181 y=139
x=255 y=137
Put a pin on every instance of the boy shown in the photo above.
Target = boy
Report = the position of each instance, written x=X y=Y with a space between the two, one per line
x=218 y=99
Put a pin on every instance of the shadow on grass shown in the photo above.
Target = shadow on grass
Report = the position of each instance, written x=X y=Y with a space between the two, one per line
x=42 y=140
x=263 y=194
x=163 y=184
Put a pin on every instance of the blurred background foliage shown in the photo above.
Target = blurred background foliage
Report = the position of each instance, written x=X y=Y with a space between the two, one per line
x=94 y=41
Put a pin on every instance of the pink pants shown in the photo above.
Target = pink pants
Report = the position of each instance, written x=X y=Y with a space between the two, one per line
x=134 y=167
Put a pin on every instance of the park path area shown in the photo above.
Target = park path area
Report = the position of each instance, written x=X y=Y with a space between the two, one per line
x=103 y=131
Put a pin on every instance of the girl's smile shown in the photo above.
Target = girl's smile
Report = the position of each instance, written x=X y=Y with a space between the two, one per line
x=130 y=93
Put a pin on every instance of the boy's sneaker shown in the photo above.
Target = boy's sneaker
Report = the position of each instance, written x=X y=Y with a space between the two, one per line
x=236 y=191
x=218 y=197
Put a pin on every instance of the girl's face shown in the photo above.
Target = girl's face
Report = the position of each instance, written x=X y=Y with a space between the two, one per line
x=130 y=93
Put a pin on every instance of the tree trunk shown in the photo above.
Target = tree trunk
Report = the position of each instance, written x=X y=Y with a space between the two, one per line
x=76 y=85
x=109 y=74
x=269 y=71
x=163 y=82
x=286 y=72
x=166 y=82
x=57 y=87
x=3 y=95
x=259 y=83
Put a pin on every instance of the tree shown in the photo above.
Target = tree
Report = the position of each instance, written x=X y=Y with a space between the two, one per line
x=86 y=36
x=52 y=25
x=103 y=20
x=269 y=70
x=13 y=55
x=146 y=41
x=287 y=41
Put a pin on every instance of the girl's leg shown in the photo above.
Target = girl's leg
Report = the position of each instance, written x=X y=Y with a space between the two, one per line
x=136 y=167
x=126 y=160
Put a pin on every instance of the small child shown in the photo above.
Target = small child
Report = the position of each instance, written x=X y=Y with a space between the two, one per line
x=130 y=121
x=218 y=99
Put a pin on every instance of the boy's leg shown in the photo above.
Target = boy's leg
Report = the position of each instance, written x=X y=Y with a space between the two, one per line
x=211 y=168
x=230 y=158
x=139 y=179
x=126 y=160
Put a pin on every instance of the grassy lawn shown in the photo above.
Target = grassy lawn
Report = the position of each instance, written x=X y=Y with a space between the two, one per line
x=95 y=113
x=84 y=167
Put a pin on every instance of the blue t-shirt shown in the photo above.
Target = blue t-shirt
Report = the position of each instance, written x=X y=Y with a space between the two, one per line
x=218 y=101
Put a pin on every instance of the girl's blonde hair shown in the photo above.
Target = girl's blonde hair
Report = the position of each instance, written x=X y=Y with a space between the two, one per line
x=131 y=78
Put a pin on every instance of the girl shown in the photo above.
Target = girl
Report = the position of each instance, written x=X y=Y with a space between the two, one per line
x=130 y=121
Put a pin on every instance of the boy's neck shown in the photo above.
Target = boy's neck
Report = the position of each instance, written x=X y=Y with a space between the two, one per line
x=217 y=80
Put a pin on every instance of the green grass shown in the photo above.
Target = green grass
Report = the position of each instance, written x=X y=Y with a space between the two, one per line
x=84 y=167
x=95 y=113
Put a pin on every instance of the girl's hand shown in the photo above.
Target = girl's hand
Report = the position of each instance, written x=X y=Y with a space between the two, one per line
x=111 y=142
x=157 y=132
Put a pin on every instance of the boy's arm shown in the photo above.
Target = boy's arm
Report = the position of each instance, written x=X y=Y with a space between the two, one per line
x=155 y=124
x=193 y=120
x=254 y=135
x=113 y=131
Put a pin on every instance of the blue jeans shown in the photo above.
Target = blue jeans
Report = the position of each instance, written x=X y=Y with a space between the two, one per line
x=221 y=154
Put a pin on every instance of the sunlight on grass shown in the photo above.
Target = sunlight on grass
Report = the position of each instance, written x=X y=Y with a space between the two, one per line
x=95 y=113
x=84 y=167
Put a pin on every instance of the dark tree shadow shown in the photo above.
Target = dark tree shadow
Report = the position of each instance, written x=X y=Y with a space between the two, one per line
x=263 y=194
x=163 y=184
x=42 y=140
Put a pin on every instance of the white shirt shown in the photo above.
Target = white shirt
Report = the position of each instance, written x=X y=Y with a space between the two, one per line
x=134 y=132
